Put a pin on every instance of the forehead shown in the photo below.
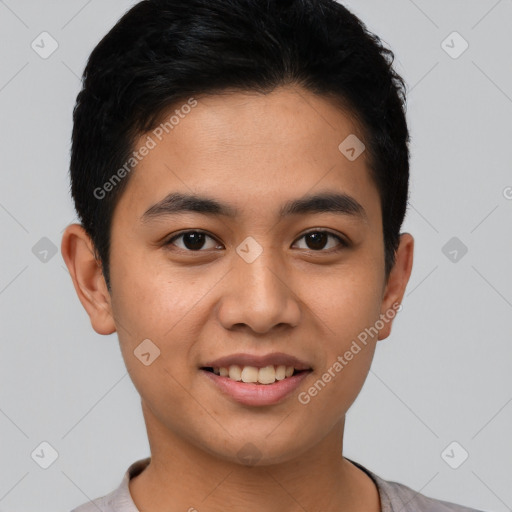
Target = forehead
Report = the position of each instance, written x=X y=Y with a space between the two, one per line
x=252 y=149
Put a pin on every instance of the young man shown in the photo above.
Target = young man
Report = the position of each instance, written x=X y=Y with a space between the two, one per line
x=240 y=169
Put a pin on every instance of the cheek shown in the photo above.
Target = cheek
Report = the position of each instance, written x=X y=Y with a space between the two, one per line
x=150 y=302
x=347 y=300
x=335 y=385
x=348 y=306
x=332 y=394
x=147 y=298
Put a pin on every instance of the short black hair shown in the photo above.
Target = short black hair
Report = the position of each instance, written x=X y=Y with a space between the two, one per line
x=163 y=52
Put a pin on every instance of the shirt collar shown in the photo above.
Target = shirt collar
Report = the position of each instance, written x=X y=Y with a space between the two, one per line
x=122 y=500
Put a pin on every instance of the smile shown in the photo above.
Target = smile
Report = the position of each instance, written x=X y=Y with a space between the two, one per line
x=252 y=392
x=251 y=374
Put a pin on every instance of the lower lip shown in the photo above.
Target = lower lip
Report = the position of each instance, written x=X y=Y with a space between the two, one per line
x=257 y=394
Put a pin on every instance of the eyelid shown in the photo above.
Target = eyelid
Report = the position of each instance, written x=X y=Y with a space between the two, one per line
x=343 y=242
x=170 y=240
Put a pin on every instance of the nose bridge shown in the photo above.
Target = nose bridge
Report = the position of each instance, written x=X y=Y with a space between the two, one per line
x=261 y=277
x=258 y=294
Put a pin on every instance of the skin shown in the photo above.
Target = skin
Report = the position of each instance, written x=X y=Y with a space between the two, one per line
x=254 y=152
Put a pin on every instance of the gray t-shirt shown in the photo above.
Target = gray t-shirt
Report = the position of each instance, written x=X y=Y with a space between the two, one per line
x=394 y=497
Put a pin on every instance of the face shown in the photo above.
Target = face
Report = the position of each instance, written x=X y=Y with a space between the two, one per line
x=287 y=257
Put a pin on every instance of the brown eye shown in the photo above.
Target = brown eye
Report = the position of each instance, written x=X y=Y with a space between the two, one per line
x=192 y=241
x=317 y=240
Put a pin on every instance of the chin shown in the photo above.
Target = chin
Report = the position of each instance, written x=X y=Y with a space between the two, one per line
x=256 y=450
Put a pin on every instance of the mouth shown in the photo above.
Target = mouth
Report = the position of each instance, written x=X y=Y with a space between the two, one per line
x=256 y=379
x=264 y=376
x=255 y=386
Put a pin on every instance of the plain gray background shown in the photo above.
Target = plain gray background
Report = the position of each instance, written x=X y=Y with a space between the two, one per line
x=442 y=377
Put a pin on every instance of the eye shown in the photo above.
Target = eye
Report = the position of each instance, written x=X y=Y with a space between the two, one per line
x=317 y=240
x=192 y=241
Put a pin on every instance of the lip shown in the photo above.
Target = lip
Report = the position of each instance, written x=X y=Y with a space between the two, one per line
x=259 y=361
x=256 y=394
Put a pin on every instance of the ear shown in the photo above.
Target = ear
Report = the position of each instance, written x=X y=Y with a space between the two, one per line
x=396 y=284
x=86 y=272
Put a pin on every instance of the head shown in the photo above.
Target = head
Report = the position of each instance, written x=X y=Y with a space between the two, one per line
x=207 y=131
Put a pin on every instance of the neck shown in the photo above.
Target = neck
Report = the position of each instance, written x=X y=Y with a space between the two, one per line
x=183 y=477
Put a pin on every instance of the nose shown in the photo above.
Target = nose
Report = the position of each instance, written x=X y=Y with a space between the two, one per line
x=259 y=296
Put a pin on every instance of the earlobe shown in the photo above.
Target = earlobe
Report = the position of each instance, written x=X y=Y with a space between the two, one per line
x=397 y=283
x=85 y=270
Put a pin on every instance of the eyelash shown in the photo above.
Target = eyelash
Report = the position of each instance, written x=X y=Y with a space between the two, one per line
x=344 y=244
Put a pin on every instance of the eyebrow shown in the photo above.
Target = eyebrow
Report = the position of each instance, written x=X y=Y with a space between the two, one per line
x=330 y=202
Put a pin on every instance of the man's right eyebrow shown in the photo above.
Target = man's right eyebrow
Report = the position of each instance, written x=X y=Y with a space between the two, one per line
x=325 y=202
x=177 y=202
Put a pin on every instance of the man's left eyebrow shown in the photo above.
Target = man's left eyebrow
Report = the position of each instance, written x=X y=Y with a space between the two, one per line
x=327 y=202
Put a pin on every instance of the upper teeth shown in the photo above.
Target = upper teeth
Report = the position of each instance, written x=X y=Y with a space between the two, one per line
x=266 y=375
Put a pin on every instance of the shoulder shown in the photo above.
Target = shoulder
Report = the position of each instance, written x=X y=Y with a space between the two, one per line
x=119 y=500
x=396 y=497
x=403 y=498
x=102 y=504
